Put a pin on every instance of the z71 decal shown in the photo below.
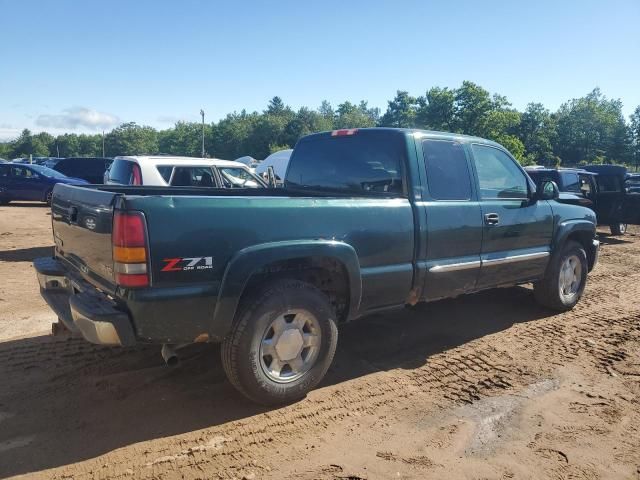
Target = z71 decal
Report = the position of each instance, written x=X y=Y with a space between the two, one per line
x=187 y=264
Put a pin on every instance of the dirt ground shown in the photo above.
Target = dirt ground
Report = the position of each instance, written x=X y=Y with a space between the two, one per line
x=485 y=386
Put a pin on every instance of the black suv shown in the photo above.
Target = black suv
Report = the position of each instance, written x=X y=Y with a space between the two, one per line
x=90 y=169
x=606 y=189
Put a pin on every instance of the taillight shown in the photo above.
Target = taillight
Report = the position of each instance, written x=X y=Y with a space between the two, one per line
x=344 y=132
x=136 y=175
x=130 y=249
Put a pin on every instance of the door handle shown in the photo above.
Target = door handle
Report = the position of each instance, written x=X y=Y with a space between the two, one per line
x=491 y=218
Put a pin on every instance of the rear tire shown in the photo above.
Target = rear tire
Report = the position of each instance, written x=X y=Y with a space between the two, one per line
x=565 y=279
x=618 y=228
x=282 y=342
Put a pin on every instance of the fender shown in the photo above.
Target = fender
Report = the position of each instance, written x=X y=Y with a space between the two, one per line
x=251 y=259
x=568 y=227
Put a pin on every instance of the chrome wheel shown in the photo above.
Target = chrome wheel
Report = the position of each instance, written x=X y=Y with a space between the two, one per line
x=290 y=346
x=570 y=277
x=622 y=227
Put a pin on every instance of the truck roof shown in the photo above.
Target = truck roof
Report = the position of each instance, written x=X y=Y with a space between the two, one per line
x=421 y=133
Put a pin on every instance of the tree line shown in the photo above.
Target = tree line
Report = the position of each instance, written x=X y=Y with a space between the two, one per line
x=590 y=129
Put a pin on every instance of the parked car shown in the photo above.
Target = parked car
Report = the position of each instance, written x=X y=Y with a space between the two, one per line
x=3 y=160
x=603 y=188
x=90 y=169
x=164 y=171
x=30 y=182
x=368 y=220
x=279 y=161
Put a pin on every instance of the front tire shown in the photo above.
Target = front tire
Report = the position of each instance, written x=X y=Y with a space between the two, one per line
x=618 y=228
x=565 y=279
x=282 y=342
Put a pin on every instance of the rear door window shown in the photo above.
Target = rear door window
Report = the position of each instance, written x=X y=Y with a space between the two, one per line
x=447 y=170
x=608 y=183
x=365 y=163
x=193 y=177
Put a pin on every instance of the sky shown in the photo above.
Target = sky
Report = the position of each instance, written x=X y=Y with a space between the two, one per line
x=84 y=66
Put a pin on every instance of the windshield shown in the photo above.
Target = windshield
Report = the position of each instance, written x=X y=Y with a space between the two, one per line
x=234 y=177
x=47 y=172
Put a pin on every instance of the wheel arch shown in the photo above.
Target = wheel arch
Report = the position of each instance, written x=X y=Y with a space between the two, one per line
x=580 y=231
x=319 y=262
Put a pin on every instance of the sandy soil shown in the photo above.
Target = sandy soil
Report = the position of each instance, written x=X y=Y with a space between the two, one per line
x=485 y=386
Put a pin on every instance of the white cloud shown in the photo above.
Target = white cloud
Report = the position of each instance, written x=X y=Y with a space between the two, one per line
x=7 y=132
x=78 y=117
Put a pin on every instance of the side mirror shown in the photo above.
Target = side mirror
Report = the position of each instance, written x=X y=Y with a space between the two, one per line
x=548 y=190
x=271 y=177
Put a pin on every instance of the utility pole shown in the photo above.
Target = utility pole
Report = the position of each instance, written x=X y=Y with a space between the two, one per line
x=202 y=113
x=102 y=143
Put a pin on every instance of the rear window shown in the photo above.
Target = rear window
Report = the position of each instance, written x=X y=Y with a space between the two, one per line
x=447 y=170
x=122 y=172
x=368 y=163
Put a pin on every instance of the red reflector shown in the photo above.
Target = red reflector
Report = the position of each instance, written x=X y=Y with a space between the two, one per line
x=132 y=280
x=344 y=132
x=128 y=230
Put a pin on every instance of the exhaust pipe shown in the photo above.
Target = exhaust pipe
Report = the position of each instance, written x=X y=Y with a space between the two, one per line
x=169 y=355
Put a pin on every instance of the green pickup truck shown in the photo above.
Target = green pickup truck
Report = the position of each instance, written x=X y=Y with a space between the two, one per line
x=368 y=220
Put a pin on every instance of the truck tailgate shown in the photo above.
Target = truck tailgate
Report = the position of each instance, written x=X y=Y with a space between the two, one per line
x=82 y=222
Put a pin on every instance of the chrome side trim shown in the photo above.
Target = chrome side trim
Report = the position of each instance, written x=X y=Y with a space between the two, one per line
x=453 y=267
x=514 y=258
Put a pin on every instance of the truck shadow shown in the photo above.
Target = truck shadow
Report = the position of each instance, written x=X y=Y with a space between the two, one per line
x=25 y=254
x=63 y=400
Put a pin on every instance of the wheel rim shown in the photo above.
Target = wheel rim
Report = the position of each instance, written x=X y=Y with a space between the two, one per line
x=290 y=345
x=570 y=277
x=623 y=228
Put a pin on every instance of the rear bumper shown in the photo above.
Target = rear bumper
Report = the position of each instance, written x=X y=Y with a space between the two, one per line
x=81 y=307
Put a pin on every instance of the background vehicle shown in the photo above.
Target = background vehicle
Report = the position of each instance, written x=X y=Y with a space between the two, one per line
x=2 y=160
x=91 y=169
x=279 y=161
x=601 y=188
x=30 y=182
x=181 y=172
x=375 y=219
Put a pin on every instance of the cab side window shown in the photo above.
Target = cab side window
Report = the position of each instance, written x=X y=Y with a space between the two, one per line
x=498 y=175
x=571 y=182
x=447 y=170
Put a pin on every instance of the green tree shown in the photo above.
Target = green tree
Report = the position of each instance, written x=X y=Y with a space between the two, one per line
x=472 y=104
x=349 y=115
x=537 y=131
x=401 y=111
x=635 y=136
x=592 y=126
x=436 y=110
x=131 y=139
x=28 y=144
